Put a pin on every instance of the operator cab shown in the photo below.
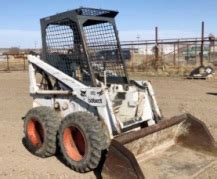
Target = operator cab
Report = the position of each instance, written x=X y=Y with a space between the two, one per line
x=79 y=43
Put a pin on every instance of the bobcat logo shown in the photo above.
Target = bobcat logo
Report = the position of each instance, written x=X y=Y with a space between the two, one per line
x=83 y=93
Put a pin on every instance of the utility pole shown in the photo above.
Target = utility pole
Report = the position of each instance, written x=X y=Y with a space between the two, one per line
x=35 y=45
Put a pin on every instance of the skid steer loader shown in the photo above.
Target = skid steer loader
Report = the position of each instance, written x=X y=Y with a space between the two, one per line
x=103 y=121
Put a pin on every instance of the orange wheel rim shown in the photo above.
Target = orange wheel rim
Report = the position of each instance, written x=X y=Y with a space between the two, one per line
x=74 y=143
x=35 y=133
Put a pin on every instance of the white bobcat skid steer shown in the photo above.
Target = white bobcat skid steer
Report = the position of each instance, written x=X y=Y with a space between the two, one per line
x=118 y=109
x=84 y=101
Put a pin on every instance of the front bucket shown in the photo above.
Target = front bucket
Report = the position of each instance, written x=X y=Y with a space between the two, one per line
x=181 y=147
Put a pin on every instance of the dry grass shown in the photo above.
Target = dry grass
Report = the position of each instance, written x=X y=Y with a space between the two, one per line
x=164 y=70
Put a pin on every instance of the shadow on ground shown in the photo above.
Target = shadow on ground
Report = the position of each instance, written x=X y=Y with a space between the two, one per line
x=97 y=172
x=213 y=94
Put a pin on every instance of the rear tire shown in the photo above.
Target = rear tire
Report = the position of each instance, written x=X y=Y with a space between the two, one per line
x=40 y=129
x=82 y=141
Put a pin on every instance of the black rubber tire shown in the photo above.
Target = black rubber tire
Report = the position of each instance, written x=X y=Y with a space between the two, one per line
x=94 y=137
x=41 y=119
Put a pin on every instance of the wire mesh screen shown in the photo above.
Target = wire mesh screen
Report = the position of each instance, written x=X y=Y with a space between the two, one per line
x=64 y=50
x=103 y=52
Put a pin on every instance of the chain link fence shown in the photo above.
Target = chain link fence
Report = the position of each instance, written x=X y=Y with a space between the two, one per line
x=169 y=56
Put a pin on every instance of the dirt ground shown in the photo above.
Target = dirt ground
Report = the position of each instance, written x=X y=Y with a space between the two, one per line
x=174 y=95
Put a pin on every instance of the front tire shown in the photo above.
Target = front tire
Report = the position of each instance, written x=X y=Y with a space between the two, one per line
x=40 y=129
x=82 y=141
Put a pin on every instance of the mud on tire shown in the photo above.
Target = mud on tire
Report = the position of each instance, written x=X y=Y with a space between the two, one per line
x=82 y=141
x=40 y=130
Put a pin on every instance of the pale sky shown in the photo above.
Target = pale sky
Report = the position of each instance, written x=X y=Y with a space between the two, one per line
x=20 y=27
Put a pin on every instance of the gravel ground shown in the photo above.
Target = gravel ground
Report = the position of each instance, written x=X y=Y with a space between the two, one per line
x=174 y=95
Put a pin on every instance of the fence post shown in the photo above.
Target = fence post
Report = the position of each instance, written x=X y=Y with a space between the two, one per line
x=211 y=46
x=174 y=55
x=162 y=53
x=24 y=62
x=156 y=49
x=133 y=58
x=178 y=52
x=187 y=57
x=195 y=52
x=202 y=44
x=146 y=55
x=209 y=51
x=8 y=65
